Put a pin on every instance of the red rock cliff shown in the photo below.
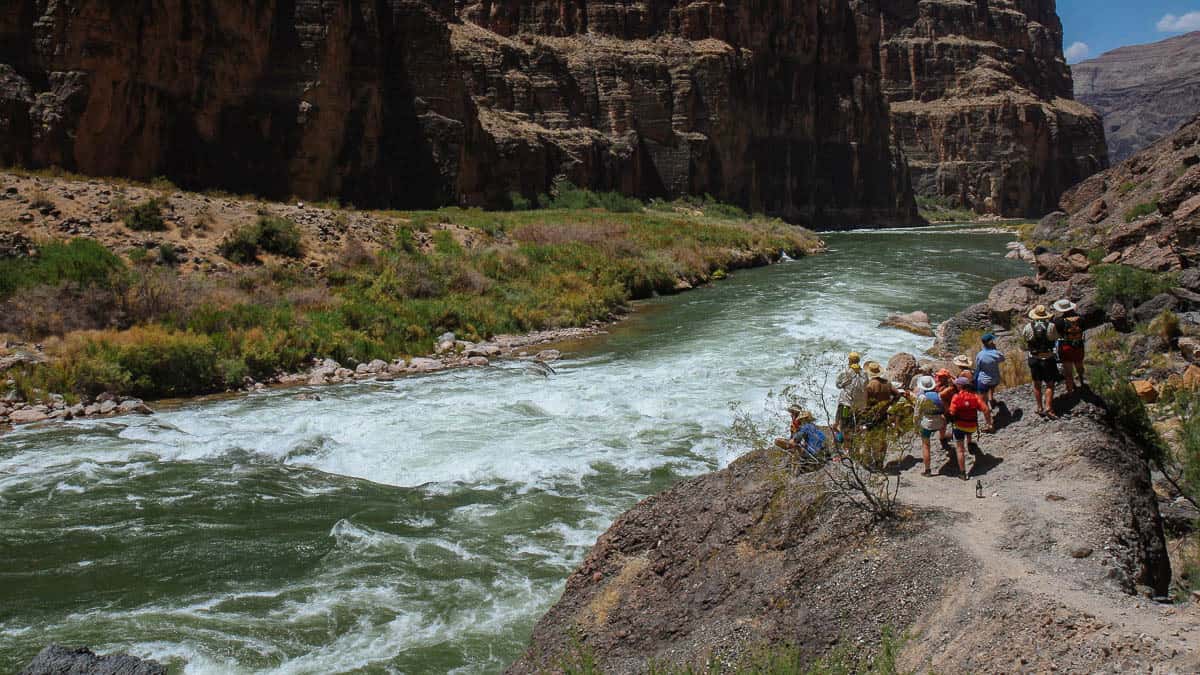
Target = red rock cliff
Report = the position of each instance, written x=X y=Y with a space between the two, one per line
x=981 y=102
x=774 y=104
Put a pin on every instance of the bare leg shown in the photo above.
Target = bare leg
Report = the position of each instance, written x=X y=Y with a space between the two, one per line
x=925 y=451
x=1068 y=368
x=1037 y=396
x=962 y=455
x=1050 y=400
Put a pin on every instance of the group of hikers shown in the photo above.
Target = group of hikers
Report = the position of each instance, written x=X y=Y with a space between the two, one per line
x=948 y=402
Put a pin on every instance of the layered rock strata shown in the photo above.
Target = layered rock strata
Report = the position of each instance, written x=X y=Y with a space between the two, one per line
x=981 y=103
x=1143 y=92
x=410 y=103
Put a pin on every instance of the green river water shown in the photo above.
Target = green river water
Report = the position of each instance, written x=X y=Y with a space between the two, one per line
x=423 y=525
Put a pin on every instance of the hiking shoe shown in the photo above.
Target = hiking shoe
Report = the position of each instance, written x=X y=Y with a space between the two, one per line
x=926 y=473
x=964 y=476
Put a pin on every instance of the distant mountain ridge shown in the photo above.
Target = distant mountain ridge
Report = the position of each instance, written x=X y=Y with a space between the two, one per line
x=1143 y=92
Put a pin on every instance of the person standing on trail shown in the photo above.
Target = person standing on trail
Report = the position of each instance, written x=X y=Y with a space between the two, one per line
x=987 y=369
x=853 y=398
x=964 y=411
x=1069 y=326
x=931 y=416
x=1040 y=337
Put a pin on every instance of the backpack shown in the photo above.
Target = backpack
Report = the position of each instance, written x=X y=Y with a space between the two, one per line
x=1073 y=332
x=931 y=406
x=1040 y=342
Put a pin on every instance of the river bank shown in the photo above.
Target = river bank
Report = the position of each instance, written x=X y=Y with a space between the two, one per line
x=167 y=294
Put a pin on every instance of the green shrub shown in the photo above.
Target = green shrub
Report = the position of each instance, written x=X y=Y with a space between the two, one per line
x=168 y=254
x=146 y=217
x=518 y=202
x=1129 y=285
x=568 y=196
x=270 y=234
x=279 y=236
x=81 y=261
x=1143 y=209
x=1109 y=378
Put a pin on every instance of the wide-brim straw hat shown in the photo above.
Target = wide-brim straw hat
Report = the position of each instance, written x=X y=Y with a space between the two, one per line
x=926 y=383
x=1040 y=313
x=800 y=413
x=962 y=361
x=874 y=369
x=1063 y=306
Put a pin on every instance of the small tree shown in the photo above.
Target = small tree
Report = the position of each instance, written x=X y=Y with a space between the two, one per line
x=146 y=217
x=856 y=469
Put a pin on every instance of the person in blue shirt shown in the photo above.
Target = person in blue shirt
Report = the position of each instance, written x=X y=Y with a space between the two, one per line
x=987 y=370
x=805 y=436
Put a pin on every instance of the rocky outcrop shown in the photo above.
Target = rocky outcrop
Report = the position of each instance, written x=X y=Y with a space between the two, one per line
x=981 y=103
x=1066 y=530
x=1145 y=212
x=58 y=660
x=1143 y=92
x=413 y=103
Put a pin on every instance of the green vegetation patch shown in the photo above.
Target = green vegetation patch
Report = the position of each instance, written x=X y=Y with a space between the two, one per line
x=146 y=217
x=80 y=261
x=270 y=234
x=943 y=210
x=1141 y=210
x=1130 y=286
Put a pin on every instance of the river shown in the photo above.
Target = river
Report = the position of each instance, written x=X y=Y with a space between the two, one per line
x=422 y=525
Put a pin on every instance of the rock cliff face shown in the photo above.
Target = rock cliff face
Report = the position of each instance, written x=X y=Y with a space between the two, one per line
x=981 y=103
x=418 y=103
x=1143 y=92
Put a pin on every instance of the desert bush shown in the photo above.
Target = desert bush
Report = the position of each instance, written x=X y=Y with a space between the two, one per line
x=1109 y=376
x=40 y=199
x=1166 y=326
x=146 y=217
x=567 y=196
x=1141 y=210
x=1129 y=285
x=269 y=234
x=168 y=254
x=518 y=202
x=157 y=295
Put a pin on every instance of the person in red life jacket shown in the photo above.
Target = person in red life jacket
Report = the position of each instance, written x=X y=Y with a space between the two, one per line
x=930 y=412
x=1069 y=326
x=1040 y=336
x=964 y=412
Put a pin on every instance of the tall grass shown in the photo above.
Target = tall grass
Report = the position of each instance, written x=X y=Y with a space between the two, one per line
x=492 y=273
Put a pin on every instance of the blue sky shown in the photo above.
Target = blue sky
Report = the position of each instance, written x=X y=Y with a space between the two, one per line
x=1105 y=25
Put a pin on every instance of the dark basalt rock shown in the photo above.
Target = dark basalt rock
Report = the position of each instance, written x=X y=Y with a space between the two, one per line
x=59 y=660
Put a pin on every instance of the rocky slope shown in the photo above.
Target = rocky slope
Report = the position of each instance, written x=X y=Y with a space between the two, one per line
x=1053 y=559
x=1143 y=92
x=414 y=103
x=1144 y=212
x=981 y=103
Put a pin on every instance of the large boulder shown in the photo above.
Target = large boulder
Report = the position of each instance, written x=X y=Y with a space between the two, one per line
x=1163 y=302
x=1010 y=299
x=1051 y=226
x=59 y=660
x=913 y=322
x=28 y=416
x=977 y=317
x=901 y=368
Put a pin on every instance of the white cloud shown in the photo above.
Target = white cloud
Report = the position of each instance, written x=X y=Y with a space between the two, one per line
x=1077 y=52
x=1179 y=24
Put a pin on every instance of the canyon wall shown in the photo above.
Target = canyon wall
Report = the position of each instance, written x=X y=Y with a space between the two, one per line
x=776 y=105
x=1144 y=92
x=981 y=103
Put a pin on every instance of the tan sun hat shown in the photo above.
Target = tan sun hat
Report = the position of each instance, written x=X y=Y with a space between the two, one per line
x=962 y=361
x=801 y=414
x=874 y=369
x=854 y=358
x=1063 y=306
x=1040 y=313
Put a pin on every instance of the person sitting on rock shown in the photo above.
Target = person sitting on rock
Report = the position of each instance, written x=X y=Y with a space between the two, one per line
x=1040 y=337
x=852 y=399
x=1069 y=326
x=805 y=436
x=987 y=369
x=964 y=411
x=931 y=416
